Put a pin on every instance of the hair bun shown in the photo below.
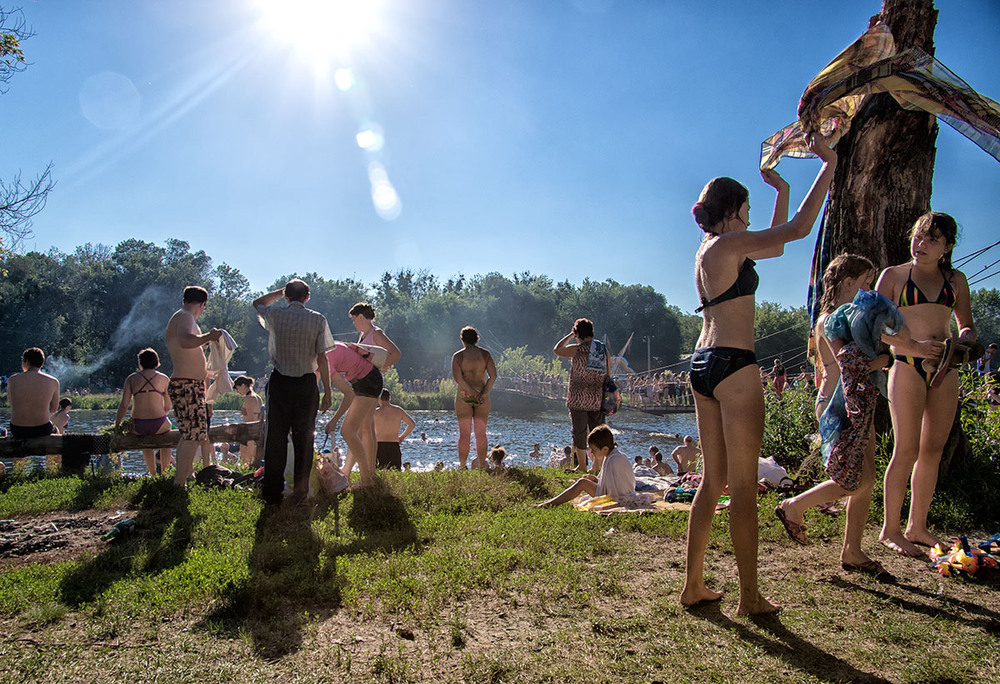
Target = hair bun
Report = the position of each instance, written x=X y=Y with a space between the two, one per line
x=700 y=214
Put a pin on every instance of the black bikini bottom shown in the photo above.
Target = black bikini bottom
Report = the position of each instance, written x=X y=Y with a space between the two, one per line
x=711 y=365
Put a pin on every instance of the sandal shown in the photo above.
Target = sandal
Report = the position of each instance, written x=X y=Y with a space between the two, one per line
x=872 y=568
x=795 y=531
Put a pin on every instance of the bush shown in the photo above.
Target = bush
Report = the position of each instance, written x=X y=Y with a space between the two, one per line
x=788 y=424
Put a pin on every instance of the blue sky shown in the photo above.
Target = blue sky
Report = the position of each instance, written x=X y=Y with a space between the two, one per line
x=564 y=137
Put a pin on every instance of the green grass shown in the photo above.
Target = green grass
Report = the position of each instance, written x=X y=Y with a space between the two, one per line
x=453 y=576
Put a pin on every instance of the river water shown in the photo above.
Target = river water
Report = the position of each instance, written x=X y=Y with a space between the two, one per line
x=635 y=432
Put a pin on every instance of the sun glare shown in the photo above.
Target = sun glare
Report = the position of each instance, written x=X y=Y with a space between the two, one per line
x=321 y=27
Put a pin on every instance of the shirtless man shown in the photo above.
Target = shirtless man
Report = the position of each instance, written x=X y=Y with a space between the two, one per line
x=388 y=419
x=188 y=382
x=470 y=367
x=33 y=396
x=251 y=410
x=686 y=456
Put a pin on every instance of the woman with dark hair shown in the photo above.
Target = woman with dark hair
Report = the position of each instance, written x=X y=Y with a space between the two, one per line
x=474 y=372
x=922 y=415
x=588 y=368
x=361 y=384
x=729 y=400
x=146 y=390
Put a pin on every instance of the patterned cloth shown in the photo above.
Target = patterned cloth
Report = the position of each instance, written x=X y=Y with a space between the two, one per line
x=586 y=387
x=297 y=336
x=844 y=453
x=916 y=81
x=847 y=420
x=190 y=412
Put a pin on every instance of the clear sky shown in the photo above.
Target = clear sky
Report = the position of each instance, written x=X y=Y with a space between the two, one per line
x=561 y=137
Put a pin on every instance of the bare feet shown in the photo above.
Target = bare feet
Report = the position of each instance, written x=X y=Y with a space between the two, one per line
x=900 y=545
x=694 y=596
x=757 y=606
x=923 y=538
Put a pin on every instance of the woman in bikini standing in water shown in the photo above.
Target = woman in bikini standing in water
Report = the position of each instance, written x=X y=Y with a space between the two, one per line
x=922 y=415
x=729 y=400
x=474 y=372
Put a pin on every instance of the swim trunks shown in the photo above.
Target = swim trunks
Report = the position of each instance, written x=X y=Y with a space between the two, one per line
x=388 y=455
x=18 y=432
x=148 y=426
x=190 y=410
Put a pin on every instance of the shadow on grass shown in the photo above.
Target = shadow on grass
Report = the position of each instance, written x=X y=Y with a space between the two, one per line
x=937 y=606
x=161 y=535
x=293 y=573
x=531 y=481
x=785 y=645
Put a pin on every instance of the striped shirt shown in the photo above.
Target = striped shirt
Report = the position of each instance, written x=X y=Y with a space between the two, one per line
x=297 y=335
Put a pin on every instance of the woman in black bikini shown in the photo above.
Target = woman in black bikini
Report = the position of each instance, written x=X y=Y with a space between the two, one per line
x=922 y=415
x=729 y=401
x=147 y=391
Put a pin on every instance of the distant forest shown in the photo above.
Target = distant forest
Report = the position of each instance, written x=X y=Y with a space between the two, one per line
x=92 y=310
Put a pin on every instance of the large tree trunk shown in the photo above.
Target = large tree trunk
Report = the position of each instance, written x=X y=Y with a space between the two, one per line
x=883 y=180
x=886 y=166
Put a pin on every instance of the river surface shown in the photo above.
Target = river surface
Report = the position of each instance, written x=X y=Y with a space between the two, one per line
x=635 y=432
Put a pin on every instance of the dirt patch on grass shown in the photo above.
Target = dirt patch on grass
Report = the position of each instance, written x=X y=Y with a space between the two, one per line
x=54 y=537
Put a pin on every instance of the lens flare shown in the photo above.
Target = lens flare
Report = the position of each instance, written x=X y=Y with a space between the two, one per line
x=384 y=196
x=370 y=138
x=344 y=78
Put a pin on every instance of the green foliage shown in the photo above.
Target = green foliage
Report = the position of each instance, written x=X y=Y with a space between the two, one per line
x=966 y=497
x=517 y=363
x=72 y=305
x=788 y=424
x=781 y=333
x=986 y=314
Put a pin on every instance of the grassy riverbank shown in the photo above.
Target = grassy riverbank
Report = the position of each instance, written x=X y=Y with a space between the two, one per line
x=452 y=576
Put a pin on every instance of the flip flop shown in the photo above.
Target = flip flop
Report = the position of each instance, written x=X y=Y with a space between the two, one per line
x=795 y=531
x=872 y=568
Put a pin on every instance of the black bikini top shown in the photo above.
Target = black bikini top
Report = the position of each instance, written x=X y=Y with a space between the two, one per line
x=746 y=284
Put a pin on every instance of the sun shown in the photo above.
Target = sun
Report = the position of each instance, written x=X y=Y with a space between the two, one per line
x=323 y=28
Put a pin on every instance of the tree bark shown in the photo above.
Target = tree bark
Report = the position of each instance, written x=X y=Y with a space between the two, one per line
x=884 y=177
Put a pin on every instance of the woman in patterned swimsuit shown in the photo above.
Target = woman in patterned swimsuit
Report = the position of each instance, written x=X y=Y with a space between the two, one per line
x=922 y=416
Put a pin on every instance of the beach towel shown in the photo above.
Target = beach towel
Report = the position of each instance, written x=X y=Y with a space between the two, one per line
x=219 y=353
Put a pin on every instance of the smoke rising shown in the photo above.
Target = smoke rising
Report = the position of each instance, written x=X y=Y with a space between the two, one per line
x=142 y=326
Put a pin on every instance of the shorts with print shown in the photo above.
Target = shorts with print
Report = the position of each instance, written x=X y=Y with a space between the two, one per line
x=190 y=410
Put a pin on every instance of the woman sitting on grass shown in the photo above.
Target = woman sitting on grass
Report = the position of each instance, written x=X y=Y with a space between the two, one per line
x=616 y=479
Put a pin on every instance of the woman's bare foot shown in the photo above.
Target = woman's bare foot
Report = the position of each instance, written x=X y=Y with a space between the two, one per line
x=694 y=596
x=923 y=538
x=757 y=606
x=900 y=545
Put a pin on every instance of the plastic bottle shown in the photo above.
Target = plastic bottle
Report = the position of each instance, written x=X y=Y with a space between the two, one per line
x=121 y=528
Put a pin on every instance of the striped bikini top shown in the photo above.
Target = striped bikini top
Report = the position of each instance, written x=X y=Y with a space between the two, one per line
x=913 y=295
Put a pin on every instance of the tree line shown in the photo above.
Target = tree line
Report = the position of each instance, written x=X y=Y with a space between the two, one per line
x=93 y=309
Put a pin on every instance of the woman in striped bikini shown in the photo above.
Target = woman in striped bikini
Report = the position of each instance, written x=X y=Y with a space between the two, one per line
x=922 y=415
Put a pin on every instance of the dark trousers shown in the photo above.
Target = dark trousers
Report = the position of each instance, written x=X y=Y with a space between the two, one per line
x=292 y=404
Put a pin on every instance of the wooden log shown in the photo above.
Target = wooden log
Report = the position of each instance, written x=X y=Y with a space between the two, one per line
x=53 y=444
